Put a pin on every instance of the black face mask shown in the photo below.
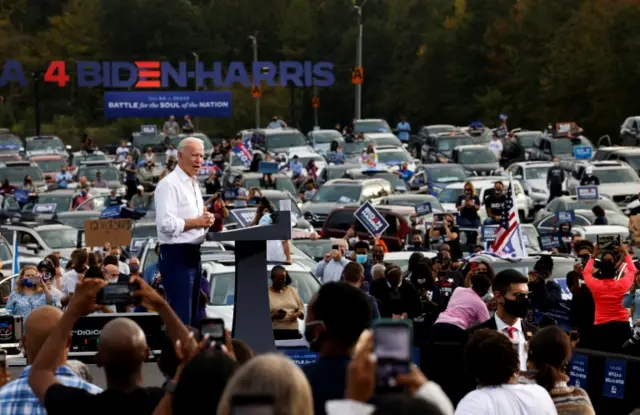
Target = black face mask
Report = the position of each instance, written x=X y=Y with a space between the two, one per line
x=607 y=269
x=518 y=307
x=417 y=244
x=311 y=338
x=134 y=268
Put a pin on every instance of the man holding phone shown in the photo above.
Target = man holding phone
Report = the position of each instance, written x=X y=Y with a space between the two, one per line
x=330 y=269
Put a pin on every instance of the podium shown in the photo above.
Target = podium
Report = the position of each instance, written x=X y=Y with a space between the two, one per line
x=251 y=315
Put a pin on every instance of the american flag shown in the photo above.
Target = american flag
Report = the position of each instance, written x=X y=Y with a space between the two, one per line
x=508 y=242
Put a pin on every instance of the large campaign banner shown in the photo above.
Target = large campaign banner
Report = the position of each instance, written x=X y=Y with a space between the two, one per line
x=165 y=103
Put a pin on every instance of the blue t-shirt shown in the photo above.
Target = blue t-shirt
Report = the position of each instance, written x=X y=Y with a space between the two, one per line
x=403 y=130
x=406 y=174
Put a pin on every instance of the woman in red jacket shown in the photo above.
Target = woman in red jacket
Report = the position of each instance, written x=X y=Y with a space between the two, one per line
x=611 y=326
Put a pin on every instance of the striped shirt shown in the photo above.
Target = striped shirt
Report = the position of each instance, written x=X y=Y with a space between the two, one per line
x=17 y=398
x=570 y=400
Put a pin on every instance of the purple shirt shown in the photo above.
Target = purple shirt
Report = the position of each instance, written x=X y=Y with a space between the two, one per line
x=465 y=309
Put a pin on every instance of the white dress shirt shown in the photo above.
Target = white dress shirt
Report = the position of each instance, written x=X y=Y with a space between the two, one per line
x=178 y=198
x=519 y=339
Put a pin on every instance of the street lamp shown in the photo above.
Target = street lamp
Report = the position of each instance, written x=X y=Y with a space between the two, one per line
x=197 y=58
x=254 y=43
x=358 y=111
x=37 y=77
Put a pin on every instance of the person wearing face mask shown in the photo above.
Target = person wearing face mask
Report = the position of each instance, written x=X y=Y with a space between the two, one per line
x=29 y=293
x=240 y=193
x=448 y=234
x=336 y=317
x=565 y=235
x=589 y=179
x=583 y=307
x=285 y=305
x=446 y=279
x=360 y=254
x=611 y=325
x=81 y=198
x=47 y=272
x=494 y=203
x=468 y=205
x=417 y=244
x=134 y=267
x=544 y=291
x=397 y=298
x=555 y=179
x=63 y=178
x=511 y=291
x=140 y=200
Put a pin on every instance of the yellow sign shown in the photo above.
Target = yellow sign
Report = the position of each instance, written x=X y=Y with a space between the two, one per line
x=315 y=102
x=357 y=76
x=256 y=91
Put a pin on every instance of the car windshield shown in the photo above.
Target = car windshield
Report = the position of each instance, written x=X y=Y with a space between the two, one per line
x=44 y=144
x=223 y=286
x=175 y=140
x=386 y=141
x=60 y=238
x=477 y=156
x=526 y=140
x=5 y=251
x=285 y=140
x=143 y=141
x=633 y=161
x=95 y=203
x=78 y=158
x=450 y=195
x=536 y=173
x=447 y=174
x=51 y=165
x=610 y=176
x=337 y=172
x=10 y=143
x=109 y=173
x=326 y=136
x=314 y=249
x=448 y=144
x=76 y=222
x=355 y=147
x=380 y=126
x=18 y=173
x=317 y=159
x=393 y=156
x=62 y=202
x=337 y=194
x=412 y=201
x=565 y=146
x=530 y=237
x=144 y=231
x=282 y=183
x=605 y=204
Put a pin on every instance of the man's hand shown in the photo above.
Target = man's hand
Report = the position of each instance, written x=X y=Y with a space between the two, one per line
x=361 y=373
x=327 y=257
x=83 y=300
x=206 y=220
x=414 y=380
x=149 y=298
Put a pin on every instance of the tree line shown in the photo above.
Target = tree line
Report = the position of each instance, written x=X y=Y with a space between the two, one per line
x=435 y=61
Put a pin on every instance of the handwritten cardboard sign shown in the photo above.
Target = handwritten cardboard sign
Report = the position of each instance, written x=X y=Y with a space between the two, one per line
x=100 y=231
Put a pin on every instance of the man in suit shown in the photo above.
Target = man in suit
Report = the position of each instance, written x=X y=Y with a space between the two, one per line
x=511 y=291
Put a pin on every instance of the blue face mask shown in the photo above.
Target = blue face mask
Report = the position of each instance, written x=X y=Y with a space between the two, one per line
x=27 y=283
x=361 y=259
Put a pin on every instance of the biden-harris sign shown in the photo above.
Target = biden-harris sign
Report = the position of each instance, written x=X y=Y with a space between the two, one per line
x=371 y=219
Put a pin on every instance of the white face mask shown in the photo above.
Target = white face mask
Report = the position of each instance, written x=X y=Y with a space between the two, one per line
x=113 y=281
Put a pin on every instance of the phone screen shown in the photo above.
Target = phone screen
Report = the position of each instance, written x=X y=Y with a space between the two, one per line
x=393 y=350
x=215 y=330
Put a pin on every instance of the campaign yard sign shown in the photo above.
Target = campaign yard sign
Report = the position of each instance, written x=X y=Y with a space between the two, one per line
x=587 y=193
x=423 y=209
x=615 y=371
x=579 y=370
x=548 y=242
x=21 y=195
x=371 y=219
x=244 y=216
x=582 y=152
x=110 y=212
x=149 y=130
x=565 y=216
x=267 y=167
x=45 y=208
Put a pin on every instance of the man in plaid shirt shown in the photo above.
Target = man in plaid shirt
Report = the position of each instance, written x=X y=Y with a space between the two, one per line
x=16 y=397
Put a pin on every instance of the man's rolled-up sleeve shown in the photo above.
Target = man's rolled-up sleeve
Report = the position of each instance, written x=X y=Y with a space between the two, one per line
x=167 y=200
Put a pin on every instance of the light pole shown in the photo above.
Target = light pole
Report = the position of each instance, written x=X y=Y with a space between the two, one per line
x=358 y=111
x=37 y=77
x=197 y=60
x=254 y=43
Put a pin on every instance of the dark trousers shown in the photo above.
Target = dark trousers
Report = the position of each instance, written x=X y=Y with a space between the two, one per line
x=131 y=188
x=608 y=337
x=554 y=191
x=181 y=271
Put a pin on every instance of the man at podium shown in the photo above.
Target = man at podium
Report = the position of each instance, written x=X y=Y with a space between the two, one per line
x=182 y=221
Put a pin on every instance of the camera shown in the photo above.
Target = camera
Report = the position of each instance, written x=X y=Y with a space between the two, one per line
x=120 y=293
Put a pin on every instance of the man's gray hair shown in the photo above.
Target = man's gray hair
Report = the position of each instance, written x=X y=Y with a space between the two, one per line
x=186 y=141
x=378 y=269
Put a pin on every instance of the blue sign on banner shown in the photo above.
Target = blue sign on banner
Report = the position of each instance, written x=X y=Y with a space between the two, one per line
x=615 y=372
x=110 y=212
x=582 y=152
x=149 y=130
x=423 y=209
x=137 y=243
x=21 y=195
x=166 y=103
x=489 y=232
x=266 y=167
x=300 y=357
x=548 y=242
x=565 y=216
x=587 y=193
x=243 y=153
x=230 y=194
x=371 y=219
x=45 y=208
x=560 y=314
x=244 y=216
x=579 y=370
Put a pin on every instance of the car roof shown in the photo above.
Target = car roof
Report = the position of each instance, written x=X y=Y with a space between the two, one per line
x=373 y=136
x=534 y=163
x=390 y=256
x=409 y=196
x=627 y=150
x=42 y=137
x=254 y=175
x=382 y=149
x=47 y=157
x=471 y=147
x=305 y=154
x=342 y=166
x=18 y=163
x=609 y=164
x=53 y=227
x=274 y=131
x=368 y=120
x=347 y=182
x=89 y=163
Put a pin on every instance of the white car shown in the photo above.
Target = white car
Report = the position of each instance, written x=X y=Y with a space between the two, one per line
x=449 y=196
x=401 y=258
x=533 y=177
x=393 y=157
x=222 y=276
x=618 y=180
